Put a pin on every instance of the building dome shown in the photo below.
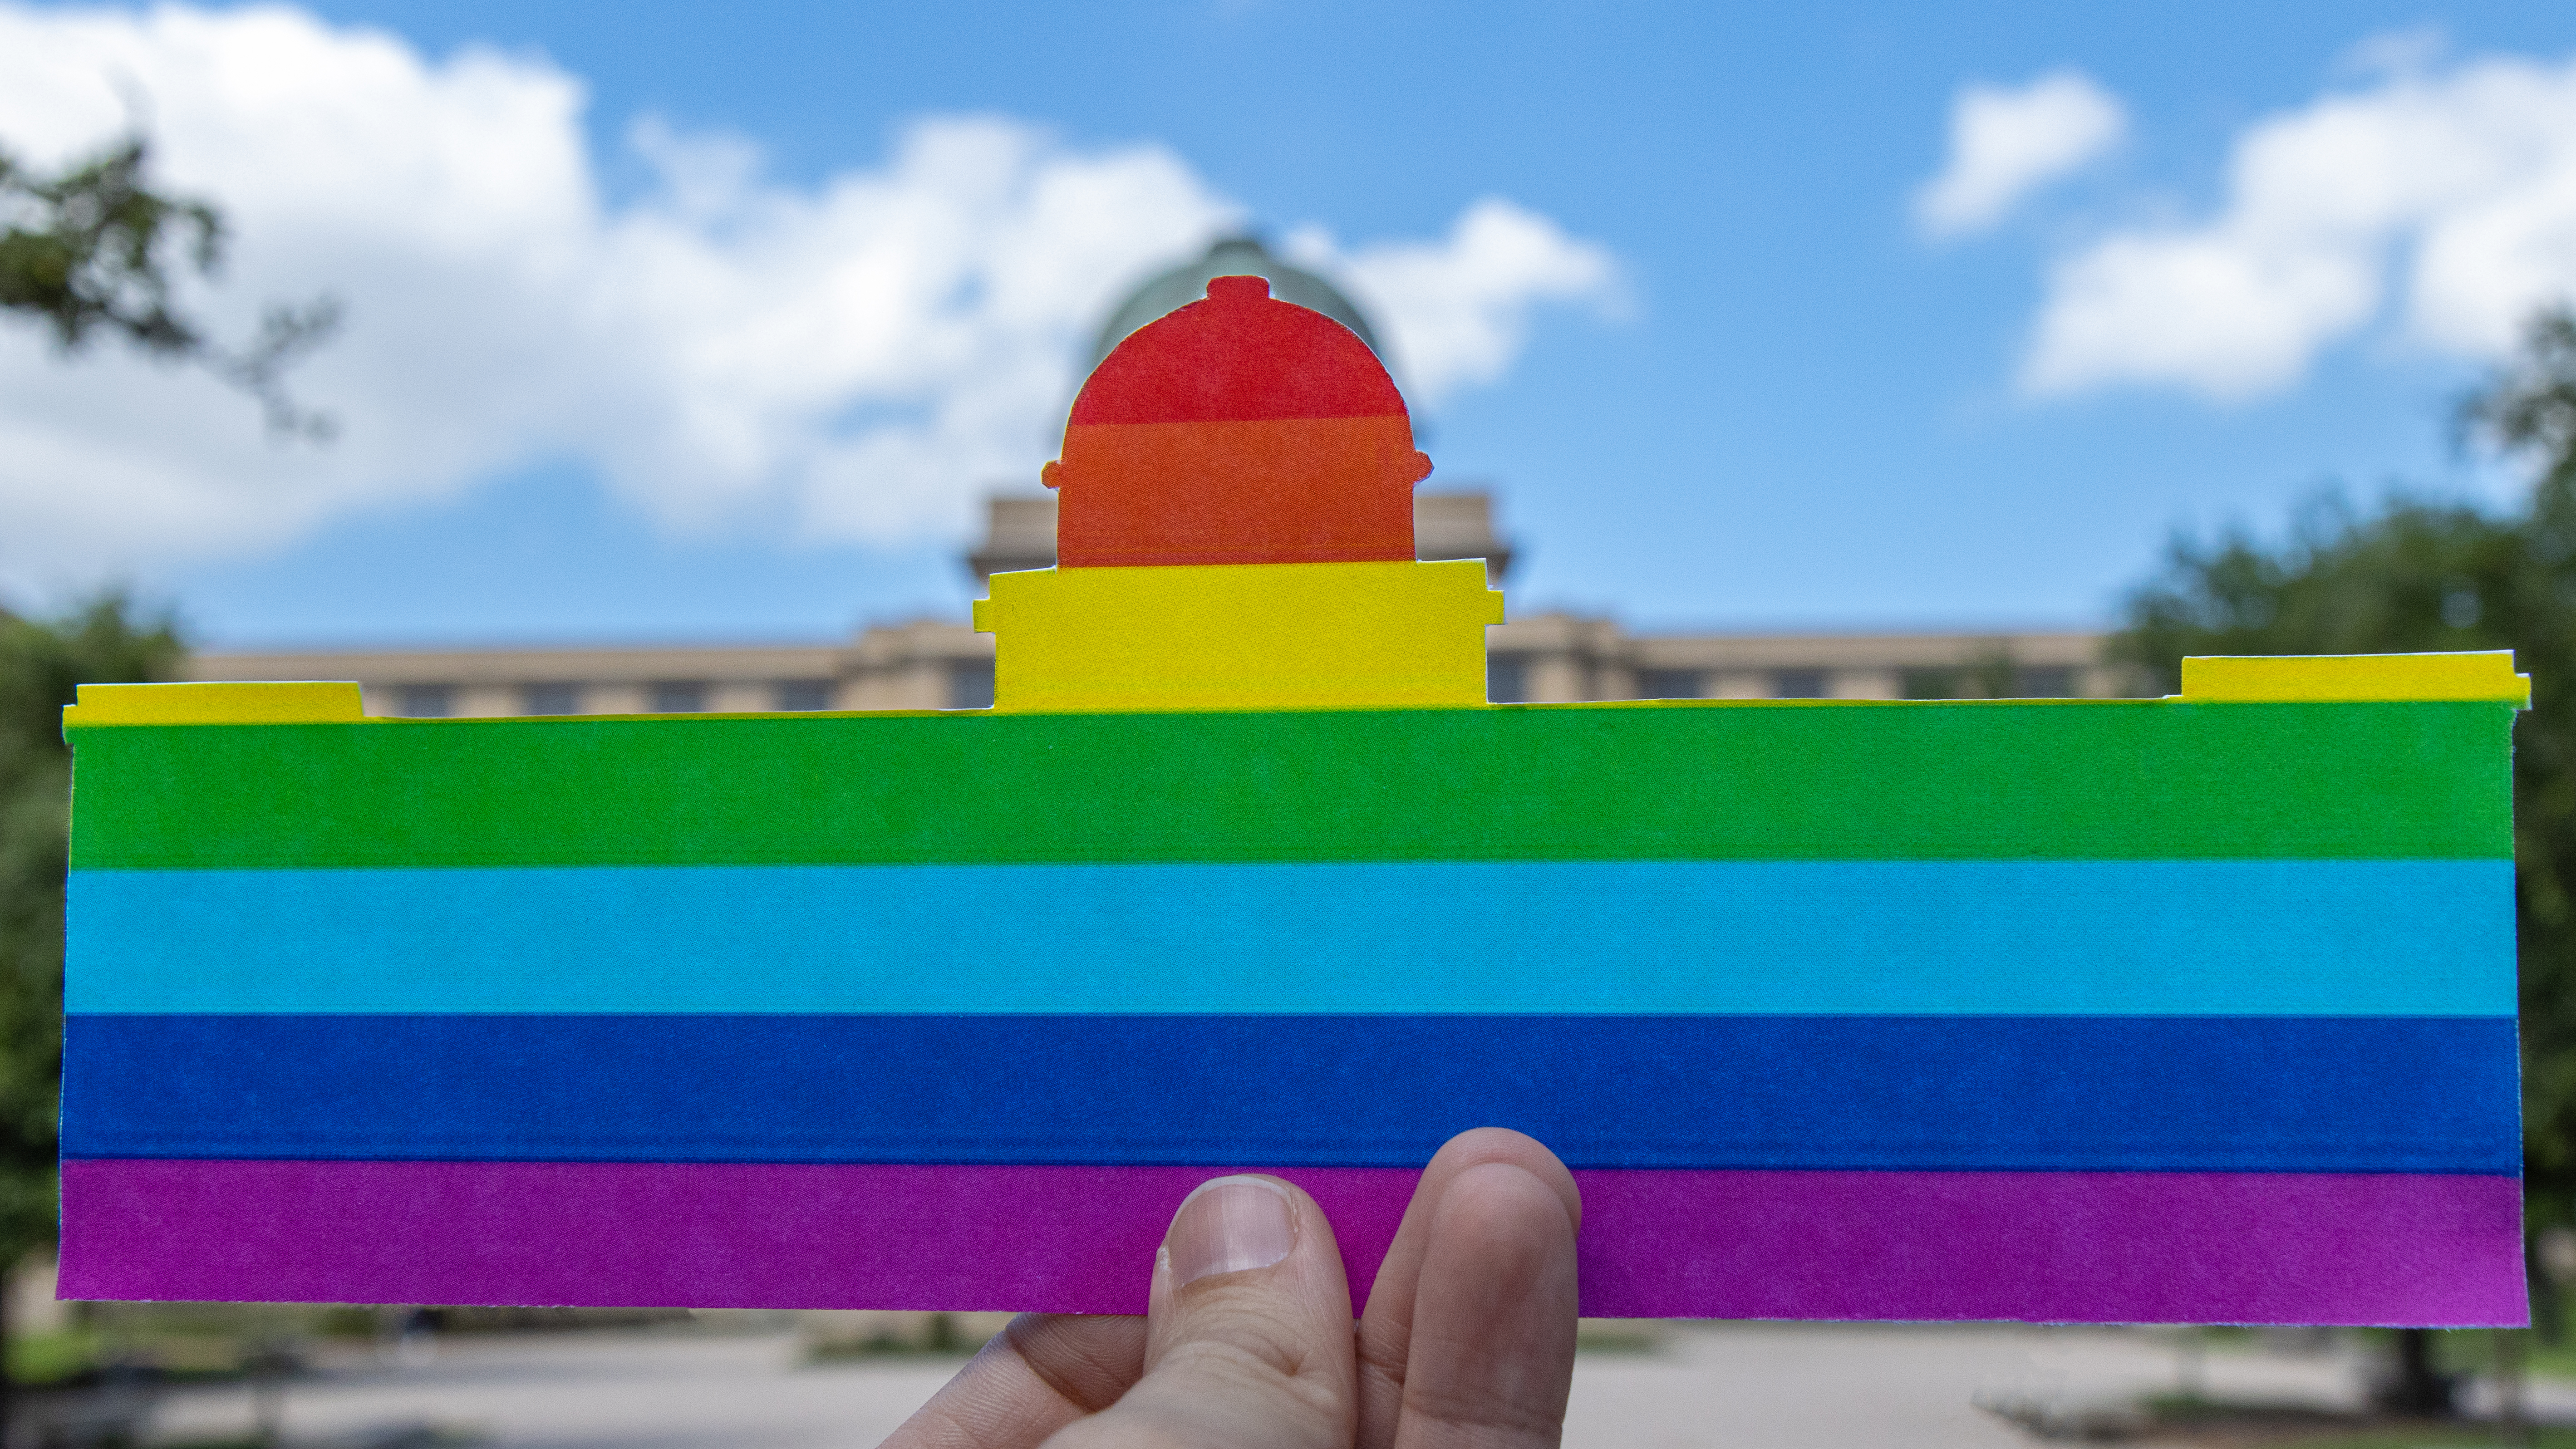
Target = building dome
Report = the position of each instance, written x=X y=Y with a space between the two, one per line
x=1239 y=256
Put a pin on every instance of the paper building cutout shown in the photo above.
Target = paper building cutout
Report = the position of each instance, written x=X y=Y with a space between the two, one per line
x=2195 y=1009
x=1237 y=430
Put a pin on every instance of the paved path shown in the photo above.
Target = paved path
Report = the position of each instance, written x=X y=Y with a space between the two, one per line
x=1742 y=1386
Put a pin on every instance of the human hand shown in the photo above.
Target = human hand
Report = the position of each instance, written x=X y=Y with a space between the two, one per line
x=1468 y=1341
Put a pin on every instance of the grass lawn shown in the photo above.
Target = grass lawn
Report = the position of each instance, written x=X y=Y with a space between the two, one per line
x=50 y=1358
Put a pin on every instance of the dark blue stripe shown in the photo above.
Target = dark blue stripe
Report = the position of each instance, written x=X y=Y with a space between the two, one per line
x=2269 y=1094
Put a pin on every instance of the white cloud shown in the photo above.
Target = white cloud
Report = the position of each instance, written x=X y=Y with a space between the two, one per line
x=856 y=359
x=2443 y=199
x=2008 y=142
x=1456 y=311
x=2395 y=52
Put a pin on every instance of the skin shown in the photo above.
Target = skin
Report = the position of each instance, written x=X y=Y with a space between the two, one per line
x=1467 y=1341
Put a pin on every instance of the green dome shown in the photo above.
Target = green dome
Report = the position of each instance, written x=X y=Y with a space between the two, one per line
x=1238 y=256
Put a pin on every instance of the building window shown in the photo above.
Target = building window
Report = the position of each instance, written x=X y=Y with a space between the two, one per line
x=425 y=701
x=804 y=694
x=970 y=684
x=1671 y=684
x=554 y=698
x=679 y=696
x=1506 y=678
x=1800 y=684
x=2044 y=681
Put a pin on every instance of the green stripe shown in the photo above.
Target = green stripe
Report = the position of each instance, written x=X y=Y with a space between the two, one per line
x=2092 y=780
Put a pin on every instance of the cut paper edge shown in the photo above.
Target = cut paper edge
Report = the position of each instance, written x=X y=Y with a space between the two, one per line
x=2354 y=678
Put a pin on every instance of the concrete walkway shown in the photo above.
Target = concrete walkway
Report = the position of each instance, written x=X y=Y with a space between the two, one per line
x=1743 y=1386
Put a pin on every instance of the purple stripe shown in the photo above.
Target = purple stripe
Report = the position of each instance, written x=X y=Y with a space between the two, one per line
x=2114 y=1247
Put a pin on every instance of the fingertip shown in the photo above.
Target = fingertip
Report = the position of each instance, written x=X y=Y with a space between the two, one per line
x=1250 y=1327
x=1249 y=1247
x=1233 y=1225
x=1478 y=1146
x=1505 y=1209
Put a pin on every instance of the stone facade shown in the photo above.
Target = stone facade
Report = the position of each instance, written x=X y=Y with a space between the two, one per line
x=944 y=664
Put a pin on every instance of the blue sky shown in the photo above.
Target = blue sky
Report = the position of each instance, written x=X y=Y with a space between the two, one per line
x=1796 y=411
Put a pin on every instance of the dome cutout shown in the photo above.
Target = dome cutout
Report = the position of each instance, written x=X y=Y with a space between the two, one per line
x=1238 y=429
x=1230 y=256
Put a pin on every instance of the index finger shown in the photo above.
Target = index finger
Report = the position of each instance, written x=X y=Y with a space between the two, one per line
x=1036 y=1376
x=1386 y=1327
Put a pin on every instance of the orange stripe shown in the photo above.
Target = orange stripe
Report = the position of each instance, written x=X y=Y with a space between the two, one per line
x=1301 y=490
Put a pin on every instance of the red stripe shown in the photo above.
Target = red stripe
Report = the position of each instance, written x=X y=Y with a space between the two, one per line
x=1238 y=357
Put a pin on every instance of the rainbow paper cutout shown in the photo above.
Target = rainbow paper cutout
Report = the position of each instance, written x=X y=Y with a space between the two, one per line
x=2196 y=1009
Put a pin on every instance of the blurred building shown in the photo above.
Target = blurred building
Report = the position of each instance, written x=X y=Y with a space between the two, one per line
x=944 y=664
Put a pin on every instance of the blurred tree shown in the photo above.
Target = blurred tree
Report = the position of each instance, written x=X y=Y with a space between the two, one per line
x=2419 y=575
x=105 y=641
x=92 y=249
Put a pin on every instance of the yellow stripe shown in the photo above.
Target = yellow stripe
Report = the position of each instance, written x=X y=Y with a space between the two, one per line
x=169 y=704
x=2356 y=677
x=1297 y=636
x=1241 y=637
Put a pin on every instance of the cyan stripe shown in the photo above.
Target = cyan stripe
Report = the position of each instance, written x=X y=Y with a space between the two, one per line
x=2149 y=937
x=2118 y=1093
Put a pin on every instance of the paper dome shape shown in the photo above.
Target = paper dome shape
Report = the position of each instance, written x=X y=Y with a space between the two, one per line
x=1237 y=430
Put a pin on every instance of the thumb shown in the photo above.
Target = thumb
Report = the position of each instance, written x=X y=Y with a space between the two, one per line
x=1249 y=1343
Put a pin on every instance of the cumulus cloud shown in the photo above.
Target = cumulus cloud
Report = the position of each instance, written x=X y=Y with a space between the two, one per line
x=2439 y=198
x=1456 y=311
x=2007 y=142
x=854 y=359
